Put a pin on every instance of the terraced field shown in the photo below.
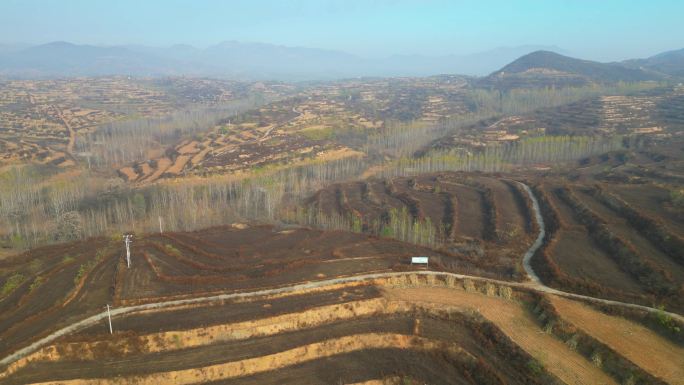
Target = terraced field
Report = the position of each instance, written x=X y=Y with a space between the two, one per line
x=404 y=328
x=651 y=112
x=485 y=218
x=656 y=113
x=322 y=122
x=602 y=245
x=173 y=264
x=71 y=281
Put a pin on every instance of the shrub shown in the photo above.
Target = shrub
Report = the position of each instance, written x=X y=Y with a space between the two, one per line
x=665 y=320
x=534 y=366
x=469 y=285
x=596 y=359
x=177 y=341
x=490 y=289
x=548 y=328
x=100 y=255
x=36 y=284
x=572 y=342
x=630 y=380
x=11 y=284
x=505 y=292
x=80 y=273
x=172 y=249
x=35 y=265
x=677 y=198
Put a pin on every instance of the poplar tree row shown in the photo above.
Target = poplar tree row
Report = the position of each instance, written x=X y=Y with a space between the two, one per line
x=34 y=212
x=501 y=157
x=127 y=141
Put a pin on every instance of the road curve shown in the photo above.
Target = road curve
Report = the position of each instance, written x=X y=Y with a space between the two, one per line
x=527 y=258
x=537 y=284
x=534 y=284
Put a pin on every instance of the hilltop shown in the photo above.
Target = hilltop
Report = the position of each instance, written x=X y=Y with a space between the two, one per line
x=670 y=63
x=545 y=68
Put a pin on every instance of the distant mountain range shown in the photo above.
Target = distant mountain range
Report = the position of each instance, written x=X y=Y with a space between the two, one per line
x=266 y=61
x=65 y=59
x=238 y=60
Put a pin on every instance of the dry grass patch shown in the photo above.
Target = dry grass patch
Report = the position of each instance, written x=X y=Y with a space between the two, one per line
x=646 y=349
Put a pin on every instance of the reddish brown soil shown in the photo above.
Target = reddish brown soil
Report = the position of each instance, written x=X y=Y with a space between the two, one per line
x=623 y=229
x=469 y=202
x=229 y=312
x=512 y=216
x=653 y=200
x=577 y=255
x=471 y=214
x=227 y=259
x=223 y=259
x=58 y=300
x=585 y=264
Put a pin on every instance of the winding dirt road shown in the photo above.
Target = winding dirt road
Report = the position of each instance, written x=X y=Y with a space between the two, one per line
x=72 y=132
x=527 y=258
x=534 y=284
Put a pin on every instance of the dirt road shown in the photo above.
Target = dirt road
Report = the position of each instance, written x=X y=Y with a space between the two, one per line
x=72 y=133
x=527 y=258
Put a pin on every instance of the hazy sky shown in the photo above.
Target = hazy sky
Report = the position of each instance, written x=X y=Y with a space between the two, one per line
x=592 y=29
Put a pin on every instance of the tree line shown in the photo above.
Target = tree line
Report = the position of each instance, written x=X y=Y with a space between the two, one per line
x=36 y=211
x=502 y=157
x=126 y=141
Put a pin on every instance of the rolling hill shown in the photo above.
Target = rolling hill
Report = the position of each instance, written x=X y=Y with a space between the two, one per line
x=545 y=68
x=669 y=63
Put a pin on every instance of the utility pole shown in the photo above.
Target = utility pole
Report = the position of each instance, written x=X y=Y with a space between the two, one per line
x=127 y=241
x=160 y=225
x=109 y=317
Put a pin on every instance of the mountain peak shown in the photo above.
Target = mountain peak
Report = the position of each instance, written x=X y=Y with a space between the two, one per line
x=544 y=68
x=58 y=43
x=543 y=59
